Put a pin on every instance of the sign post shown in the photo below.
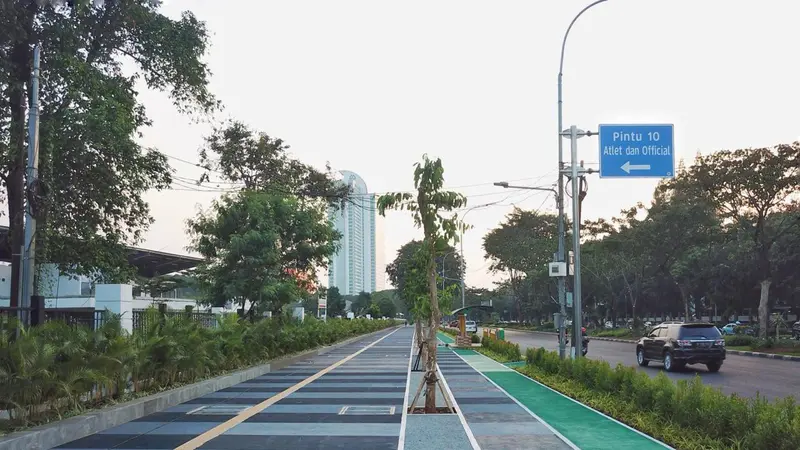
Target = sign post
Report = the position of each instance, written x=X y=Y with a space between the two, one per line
x=637 y=151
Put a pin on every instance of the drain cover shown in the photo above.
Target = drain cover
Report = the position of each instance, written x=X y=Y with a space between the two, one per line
x=367 y=410
x=230 y=410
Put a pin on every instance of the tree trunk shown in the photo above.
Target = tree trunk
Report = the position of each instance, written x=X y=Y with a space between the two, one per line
x=685 y=299
x=430 y=366
x=763 y=308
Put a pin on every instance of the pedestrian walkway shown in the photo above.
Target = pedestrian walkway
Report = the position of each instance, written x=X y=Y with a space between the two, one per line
x=355 y=404
x=553 y=414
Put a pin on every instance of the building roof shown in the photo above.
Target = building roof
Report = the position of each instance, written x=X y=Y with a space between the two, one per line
x=148 y=263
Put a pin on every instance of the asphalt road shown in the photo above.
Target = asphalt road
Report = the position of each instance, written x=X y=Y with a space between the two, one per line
x=743 y=375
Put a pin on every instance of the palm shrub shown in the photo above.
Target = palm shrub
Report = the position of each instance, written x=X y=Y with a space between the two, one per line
x=50 y=370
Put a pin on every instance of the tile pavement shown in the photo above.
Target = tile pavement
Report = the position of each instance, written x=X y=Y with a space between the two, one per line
x=358 y=405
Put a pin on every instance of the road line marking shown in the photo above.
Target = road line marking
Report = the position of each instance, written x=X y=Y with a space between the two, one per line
x=401 y=442
x=461 y=417
x=560 y=436
x=197 y=441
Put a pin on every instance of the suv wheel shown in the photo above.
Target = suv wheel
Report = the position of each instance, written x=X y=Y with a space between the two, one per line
x=669 y=364
x=640 y=357
x=714 y=367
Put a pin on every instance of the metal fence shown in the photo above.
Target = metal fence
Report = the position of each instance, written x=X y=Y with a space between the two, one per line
x=142 y=318
x=88 y=317
x=92 y=318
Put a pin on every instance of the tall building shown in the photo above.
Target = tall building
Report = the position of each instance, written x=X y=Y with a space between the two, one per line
x=354 y=267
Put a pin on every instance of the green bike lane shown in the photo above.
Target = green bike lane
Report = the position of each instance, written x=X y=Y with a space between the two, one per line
x=584 y=428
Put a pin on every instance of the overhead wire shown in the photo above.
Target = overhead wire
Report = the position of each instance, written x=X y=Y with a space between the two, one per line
x=187 y=184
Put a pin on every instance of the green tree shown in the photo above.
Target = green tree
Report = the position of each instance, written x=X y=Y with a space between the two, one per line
x=439 y=231
x=310 y=304
x=360 y=305
x=448 y=264
x=336 y=303
x=260 y=162
x=748 y=187
x=261 y=249
x=374 y=310
x=387 y=308
x=92 y=170
x=521 y=247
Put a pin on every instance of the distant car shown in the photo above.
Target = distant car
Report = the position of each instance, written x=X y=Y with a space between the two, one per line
x=796 y=330
x=453 y=324
x=677 y=344
x=730 y=328
x=471 y=327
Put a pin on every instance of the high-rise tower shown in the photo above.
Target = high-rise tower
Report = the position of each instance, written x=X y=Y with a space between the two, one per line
x=353 y=268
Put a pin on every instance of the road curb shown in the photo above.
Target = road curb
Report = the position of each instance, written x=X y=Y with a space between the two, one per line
x=730 y=352
x=57 y=433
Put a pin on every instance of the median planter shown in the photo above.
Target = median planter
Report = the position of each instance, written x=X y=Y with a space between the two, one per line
x=698 y=416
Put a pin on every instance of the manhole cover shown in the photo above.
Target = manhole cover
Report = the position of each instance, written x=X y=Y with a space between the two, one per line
x=230 y=410
x=367 y=410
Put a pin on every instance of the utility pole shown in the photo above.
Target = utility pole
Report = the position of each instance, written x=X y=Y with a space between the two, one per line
x=561 y=257
x=32 y=173
x=575 y=174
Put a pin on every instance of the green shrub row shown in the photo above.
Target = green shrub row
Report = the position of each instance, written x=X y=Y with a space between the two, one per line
x=616 y=333
x=56 y=369
x=502 y=351
x=686 y=414
x=756 y=344
x=450 y=331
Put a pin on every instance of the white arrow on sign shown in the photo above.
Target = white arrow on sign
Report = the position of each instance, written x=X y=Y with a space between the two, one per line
x=627 y=167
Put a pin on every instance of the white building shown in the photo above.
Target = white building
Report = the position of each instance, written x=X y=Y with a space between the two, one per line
x=354 y=267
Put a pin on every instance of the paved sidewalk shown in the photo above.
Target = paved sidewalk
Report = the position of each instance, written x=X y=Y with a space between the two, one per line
x=357 y=405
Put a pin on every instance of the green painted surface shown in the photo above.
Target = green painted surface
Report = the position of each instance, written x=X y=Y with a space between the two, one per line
x=584 y=427
x=445 y=338
x=464 y=352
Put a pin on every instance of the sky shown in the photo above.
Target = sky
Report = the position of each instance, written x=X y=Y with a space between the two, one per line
x=370 y=86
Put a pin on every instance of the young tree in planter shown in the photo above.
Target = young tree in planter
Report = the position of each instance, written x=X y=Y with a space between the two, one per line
x=439 y=231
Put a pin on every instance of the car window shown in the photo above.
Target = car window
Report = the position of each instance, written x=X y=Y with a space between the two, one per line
x=699 y=332
x=654 y=333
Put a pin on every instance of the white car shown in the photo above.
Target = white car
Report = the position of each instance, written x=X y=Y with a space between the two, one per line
x=470 y=326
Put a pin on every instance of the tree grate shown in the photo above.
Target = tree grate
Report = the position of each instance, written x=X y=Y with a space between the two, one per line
x=224 y=410
x=367 y=411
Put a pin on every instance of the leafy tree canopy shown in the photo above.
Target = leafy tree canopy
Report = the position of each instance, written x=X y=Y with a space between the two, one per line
x=92 y=171
x=260 y=248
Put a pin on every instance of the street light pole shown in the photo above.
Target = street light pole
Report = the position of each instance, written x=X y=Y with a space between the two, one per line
x=562 y=291
x=562 y=344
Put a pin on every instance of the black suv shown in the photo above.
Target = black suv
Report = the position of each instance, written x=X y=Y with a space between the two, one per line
x=677 y=344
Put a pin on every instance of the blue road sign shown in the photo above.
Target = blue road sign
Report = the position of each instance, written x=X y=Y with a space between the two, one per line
x=637 y=151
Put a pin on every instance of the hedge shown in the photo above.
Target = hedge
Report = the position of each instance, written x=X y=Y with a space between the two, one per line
x=56 y=369
x=687 y=414
x=502 y=351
